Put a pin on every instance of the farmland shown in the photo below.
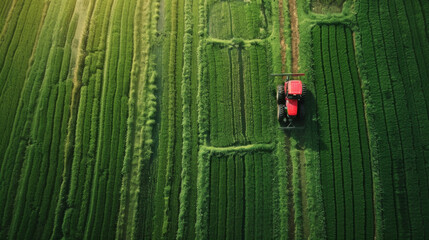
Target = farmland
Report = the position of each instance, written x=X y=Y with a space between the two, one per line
x=156 y=119
x=344 y=154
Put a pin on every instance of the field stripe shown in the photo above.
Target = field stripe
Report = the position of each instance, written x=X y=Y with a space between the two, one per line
x=336 y=144
x=257 y=118
x=396 y=67
x=5 y=13
x=178 y=121
x=354 y=173
x=334 y=127
x=386 y=198
x=407 y=144
x=40 y=138
x=222 y=207
x=230 y=203
x=248 y=106
x=101 y=173
x=423 y=172
x=214 y=197
x=391 y=118
x=239 y=197
x=361 y=186
x=41 y=132
x=183 y=219
x=344 y=127
x=341 y=130
x=268 y=195
x=213 y=95
x=424 y=5
x=10 y=42
x=412 y=171
x=194 y=120
x=320 y=34
x=237 y=95
x=19 y=85
x=259 y=201
x=351 y=165
x=413 y=17
x=419 y=51
x=129 y=196
x=265 y=101
x=203 y=202
x=249 y=196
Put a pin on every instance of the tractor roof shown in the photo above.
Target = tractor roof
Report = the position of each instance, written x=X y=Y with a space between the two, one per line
x=294 y=87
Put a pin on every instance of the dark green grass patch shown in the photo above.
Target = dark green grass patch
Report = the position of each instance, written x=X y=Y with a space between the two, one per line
x=344 y=150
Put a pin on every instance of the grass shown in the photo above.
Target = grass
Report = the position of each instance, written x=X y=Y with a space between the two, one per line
x=156 y=119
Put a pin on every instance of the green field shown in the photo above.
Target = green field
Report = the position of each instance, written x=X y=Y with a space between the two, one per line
x=344 y=151
x=156 y=119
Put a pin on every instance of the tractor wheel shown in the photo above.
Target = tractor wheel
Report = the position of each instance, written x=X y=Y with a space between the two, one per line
x=281 y=97
x=280 y=113
x=304 y=92
x=301 y=110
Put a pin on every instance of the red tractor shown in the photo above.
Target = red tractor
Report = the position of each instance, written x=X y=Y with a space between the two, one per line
x=290 y=102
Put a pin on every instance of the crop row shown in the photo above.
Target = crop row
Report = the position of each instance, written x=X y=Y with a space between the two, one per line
x=396 y=83
x=344 y=155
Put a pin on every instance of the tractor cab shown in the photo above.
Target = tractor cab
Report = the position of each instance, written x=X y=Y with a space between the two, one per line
x=290 y=102
x=293 y=89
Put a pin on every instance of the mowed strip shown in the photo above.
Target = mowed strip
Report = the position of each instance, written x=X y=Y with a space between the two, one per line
x=346 y=174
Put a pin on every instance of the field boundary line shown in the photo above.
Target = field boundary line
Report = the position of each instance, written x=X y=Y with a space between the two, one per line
x=236 y=41
x=240 y=149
